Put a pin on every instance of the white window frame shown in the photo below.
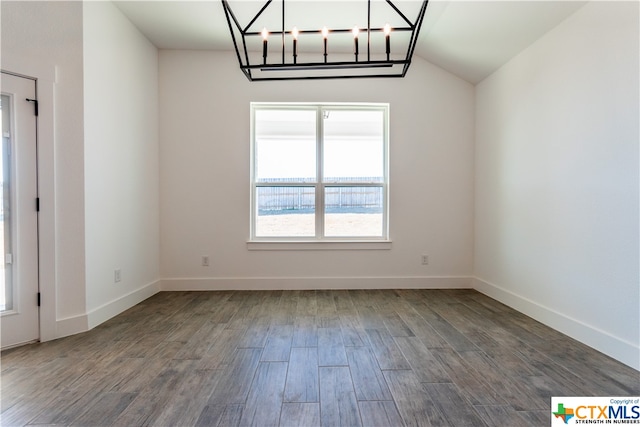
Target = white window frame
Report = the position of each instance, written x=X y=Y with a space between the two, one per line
x=319 y=241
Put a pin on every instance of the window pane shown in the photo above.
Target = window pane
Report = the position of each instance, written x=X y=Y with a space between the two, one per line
x=353 y=145
x=6 y=272
x=285 y=144
x=353 y=212
x=285 y=212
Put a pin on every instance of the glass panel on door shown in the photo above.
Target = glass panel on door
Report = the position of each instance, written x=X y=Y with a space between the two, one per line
x=6 y=283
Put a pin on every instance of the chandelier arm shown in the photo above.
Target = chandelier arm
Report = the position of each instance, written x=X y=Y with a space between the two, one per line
x=368 y=30
x=368 y=76
x=267 y=3
x=283 y=41
x=325 y=66
x=230 y=15
x=333 y=30
x=414 y=36
x=400 y=13
x=229 y=12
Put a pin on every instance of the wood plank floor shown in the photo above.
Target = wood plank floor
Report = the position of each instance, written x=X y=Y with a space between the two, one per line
x=307 y=358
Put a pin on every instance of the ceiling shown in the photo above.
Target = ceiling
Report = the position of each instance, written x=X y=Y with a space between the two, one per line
x=470 y=39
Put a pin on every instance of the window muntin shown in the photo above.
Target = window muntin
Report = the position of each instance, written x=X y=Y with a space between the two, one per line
x=319 y=172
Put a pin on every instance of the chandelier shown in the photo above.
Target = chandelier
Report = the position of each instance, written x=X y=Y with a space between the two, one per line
x=275 y=40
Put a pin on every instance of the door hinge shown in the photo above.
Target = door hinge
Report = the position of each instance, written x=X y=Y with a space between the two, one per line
x=38 y=299
x=35 y=105
x=37 y=204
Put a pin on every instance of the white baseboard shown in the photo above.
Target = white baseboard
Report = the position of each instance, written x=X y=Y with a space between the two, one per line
x=88 y=321
x=70 y=326
x=621 y=350
x=113 y=308
x=288 y=283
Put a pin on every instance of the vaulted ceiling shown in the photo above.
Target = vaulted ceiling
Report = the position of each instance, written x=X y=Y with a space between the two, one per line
x=470 y=39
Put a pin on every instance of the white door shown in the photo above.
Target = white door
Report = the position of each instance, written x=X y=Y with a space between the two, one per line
x=18 y=213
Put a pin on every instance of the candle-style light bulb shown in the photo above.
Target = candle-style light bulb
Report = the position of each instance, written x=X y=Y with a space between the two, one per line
x=325 y=34
x=265 y=36
x=294 y=33
x=387 y=39
x=355 y=32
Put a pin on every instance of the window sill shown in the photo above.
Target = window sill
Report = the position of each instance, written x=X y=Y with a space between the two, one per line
x=326 y=245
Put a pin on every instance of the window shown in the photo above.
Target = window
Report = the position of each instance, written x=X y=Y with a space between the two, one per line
x=319 y=172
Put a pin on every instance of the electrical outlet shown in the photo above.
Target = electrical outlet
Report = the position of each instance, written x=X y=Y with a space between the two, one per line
x=425 y=259
x=117 y=275
x=205 y=260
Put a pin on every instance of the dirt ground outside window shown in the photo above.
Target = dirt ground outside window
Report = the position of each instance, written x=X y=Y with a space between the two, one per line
x=336 y=225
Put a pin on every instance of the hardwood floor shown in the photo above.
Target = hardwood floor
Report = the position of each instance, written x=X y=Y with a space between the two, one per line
x=307 y=358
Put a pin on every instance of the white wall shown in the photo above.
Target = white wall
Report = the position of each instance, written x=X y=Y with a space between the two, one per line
x=121 y=162
x=45 y=38
x=204 y=138
x=556 y=229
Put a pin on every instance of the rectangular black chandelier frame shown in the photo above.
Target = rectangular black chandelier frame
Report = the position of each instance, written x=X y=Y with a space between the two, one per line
x=293 y=65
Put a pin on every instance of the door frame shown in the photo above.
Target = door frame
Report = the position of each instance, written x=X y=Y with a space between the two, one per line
x=45 y=79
